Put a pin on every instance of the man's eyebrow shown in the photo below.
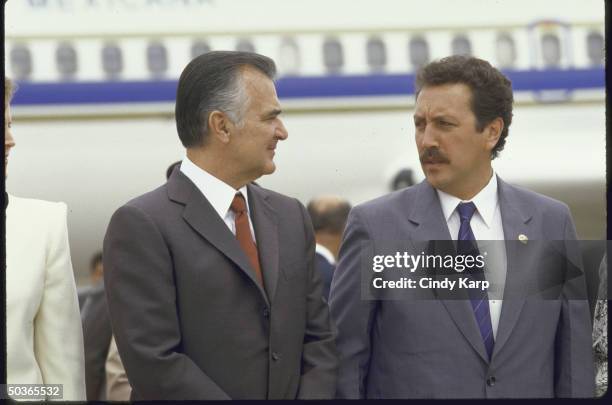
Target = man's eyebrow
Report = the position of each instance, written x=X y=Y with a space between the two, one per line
x=444 y=117
x=272 y=113
x=437 y=117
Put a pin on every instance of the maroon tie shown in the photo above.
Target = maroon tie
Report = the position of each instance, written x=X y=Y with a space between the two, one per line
x=243 y=234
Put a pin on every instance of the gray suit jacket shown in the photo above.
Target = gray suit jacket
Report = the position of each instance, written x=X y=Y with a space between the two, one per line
x=431 y=348
x=189 y=319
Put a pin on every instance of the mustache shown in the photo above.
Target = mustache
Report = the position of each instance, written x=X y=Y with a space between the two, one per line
x=433 y=155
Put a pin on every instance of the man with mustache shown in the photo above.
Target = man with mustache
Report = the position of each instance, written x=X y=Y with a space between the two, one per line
x=497 y=343
x=210 y=279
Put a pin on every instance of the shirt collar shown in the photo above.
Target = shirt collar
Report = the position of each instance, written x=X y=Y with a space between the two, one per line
x=218 y=193
x=485 y=201
x=326 y=253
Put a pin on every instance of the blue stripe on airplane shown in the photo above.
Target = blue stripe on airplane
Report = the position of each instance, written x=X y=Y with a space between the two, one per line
x=290 y=87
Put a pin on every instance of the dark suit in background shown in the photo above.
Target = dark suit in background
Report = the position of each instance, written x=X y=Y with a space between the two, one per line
x=328 y=215
x=97 y=335
x=326 y=269
x=83 y=294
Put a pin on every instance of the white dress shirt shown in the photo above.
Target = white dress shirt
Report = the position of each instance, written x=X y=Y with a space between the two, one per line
x=326 y=253
x=486 y=224
x=219 y=194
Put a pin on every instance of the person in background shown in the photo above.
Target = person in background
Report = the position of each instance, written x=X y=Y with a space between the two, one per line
x=403 y=179
x=328 y=215
x=96 y=269
x=97 y=332
x=600 y=331
x=83 y=294
x=43 y=328
x=117 y=385
x=95 y=275
x=170 y=168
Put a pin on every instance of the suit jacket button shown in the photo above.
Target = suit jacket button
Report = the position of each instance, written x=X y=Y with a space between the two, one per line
x=491 y=381
x=266 y=313
x=275 y=356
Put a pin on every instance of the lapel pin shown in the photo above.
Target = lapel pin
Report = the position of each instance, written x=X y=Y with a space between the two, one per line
x=523 y=238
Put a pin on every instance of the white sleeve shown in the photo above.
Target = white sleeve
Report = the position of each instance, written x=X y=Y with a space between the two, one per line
x=58 y=333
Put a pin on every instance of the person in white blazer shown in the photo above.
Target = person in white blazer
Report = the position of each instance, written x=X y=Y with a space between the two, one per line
x=43 y=324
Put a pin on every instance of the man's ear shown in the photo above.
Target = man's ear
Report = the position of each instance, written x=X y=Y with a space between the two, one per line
x=219 y=126
x=493 y=132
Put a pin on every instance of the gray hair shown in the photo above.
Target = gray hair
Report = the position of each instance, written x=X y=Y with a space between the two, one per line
x=233 y=101
x=213 y=82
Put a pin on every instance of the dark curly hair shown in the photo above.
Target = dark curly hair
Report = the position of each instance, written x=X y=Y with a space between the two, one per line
x=491 y=90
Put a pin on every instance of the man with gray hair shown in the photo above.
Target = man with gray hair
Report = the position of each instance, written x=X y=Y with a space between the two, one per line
x=210 y=280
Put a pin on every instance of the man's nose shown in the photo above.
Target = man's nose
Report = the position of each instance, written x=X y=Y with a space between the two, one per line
x=429 y=137
x=9 y=141
x=281 y=132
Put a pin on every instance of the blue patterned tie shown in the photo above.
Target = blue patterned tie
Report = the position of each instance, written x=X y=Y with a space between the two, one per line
x=466 y=245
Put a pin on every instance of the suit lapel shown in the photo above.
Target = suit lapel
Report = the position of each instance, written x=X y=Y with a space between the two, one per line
x=203 y=218
x=516 y=220
x=431 y=225
x=266 y=232
x=427 y=215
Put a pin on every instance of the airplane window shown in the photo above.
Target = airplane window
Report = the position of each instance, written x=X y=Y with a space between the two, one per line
x=595 y=48
x=551 y=50
x=112 y=59
x=66 y=60
x=333 y=56
x=376 y=54
x=199 y=47
x=245 y=45
x=157 y=58
x=419 y=52
x=505 y=51
x=461 y=45
x=289 y=56
x=21 y=62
